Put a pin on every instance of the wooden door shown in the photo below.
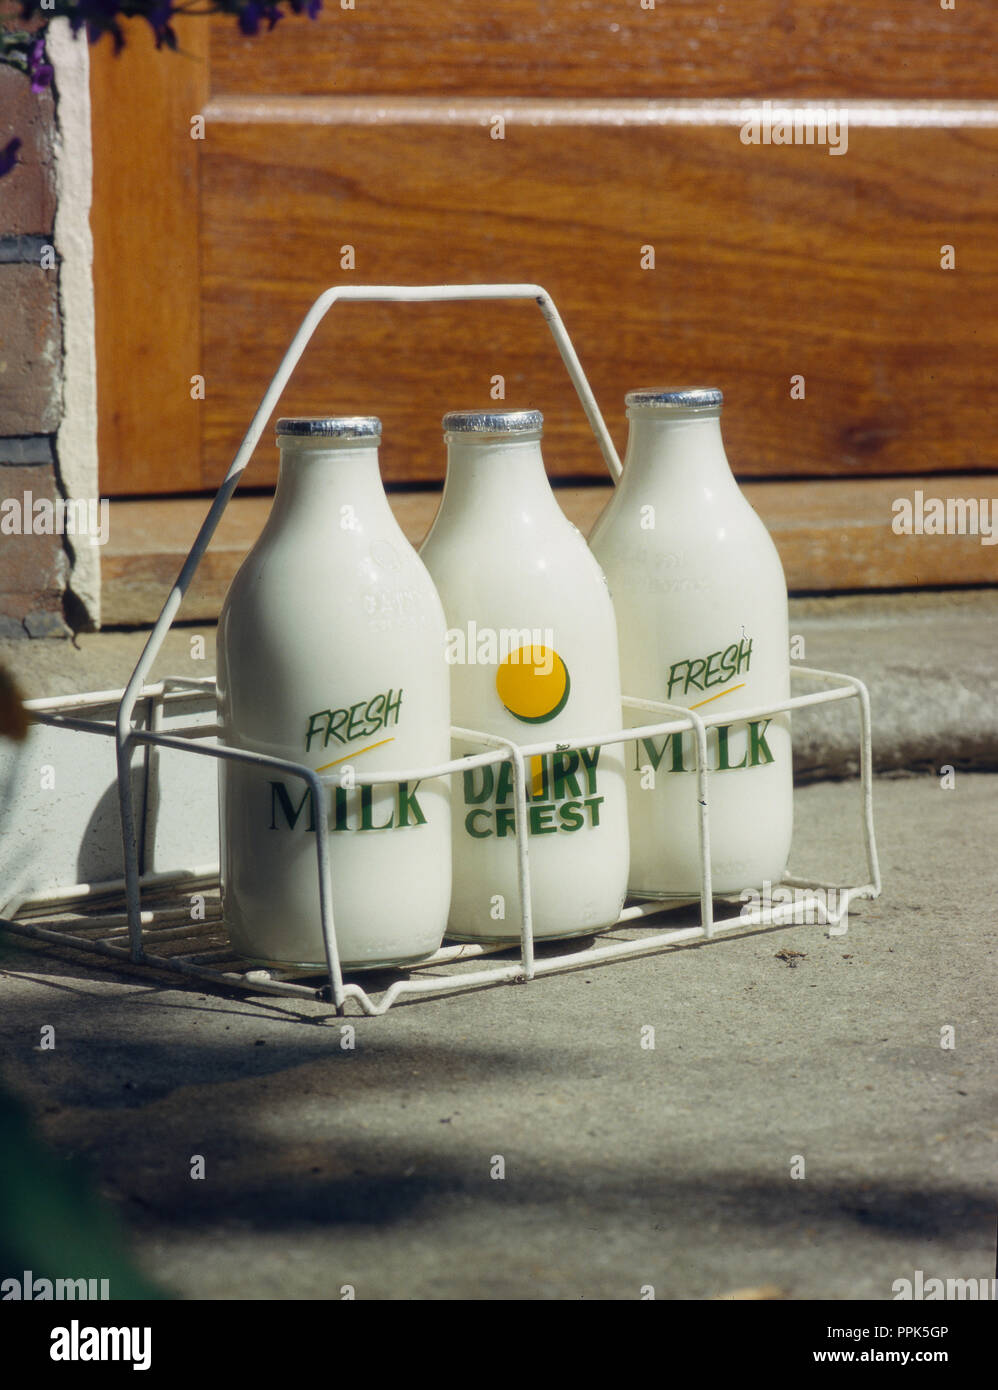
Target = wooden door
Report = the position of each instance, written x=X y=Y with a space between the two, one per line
x=595 y=147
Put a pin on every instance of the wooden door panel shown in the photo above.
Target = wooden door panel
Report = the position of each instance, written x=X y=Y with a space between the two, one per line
x=770 y=262
x=897 y=49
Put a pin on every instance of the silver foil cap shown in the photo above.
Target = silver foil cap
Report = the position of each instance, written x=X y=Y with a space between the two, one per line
x=330 y=427
x=685 y=398
x=492 y=421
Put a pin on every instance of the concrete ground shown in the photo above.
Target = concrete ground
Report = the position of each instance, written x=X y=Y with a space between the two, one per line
x=799 y=1124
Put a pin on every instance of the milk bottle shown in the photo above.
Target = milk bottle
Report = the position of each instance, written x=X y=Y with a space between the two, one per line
x=701 y=606
x=533 y=657
x=331 y=654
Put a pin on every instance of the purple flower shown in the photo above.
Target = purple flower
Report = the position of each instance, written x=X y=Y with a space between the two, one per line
x=249 y=18
x=39 y=71
x=97 y=17
x=314 y=6
x=8 y=156
x=159 y=21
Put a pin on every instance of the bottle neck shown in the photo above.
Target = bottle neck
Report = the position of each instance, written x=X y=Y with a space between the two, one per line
x=496 y=475
x=677 y=446
x=320 y=477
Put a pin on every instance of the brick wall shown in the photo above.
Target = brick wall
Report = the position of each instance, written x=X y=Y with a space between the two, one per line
x=34 y=566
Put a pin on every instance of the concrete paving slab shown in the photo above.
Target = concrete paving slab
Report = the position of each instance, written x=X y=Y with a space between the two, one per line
x=625 y=1166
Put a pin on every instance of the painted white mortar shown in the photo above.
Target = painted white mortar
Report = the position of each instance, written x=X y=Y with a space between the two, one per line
x=76 y=441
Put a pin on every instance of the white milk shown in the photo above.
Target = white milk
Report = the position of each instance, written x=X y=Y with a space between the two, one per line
x=331 y=654
x=701 y=605
x=533 y=651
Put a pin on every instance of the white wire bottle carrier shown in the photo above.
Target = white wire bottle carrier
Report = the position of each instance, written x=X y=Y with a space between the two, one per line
x=147 y=930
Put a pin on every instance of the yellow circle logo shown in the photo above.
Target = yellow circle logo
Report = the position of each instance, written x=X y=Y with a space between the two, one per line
x=533 y=684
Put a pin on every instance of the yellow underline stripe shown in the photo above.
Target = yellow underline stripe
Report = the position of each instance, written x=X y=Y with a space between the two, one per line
x=710 y=698
x=356 y=754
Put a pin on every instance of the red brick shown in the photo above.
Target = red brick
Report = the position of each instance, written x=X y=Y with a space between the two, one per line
x=27 y=193
x=30 y=350
x=33 y=568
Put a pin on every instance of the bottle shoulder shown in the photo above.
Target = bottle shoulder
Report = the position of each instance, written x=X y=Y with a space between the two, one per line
x=508 y=570
x=701 y=524
x=357 y=593
x=536 y=537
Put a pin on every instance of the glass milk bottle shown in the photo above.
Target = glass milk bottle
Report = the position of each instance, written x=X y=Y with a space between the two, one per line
x=533 y=658
x=331 y=654
x=701 y=606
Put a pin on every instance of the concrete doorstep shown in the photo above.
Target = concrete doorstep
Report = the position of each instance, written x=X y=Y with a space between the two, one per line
x=930 y=662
